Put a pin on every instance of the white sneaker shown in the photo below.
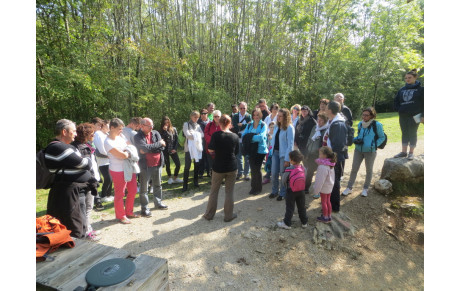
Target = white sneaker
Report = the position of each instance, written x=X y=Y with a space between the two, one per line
x=281 y=224
x=346 y=192
x=410 y=157
x=364 y=193
x=178 y=180
x=107 y=199
x=305 y=225
x=170 y=181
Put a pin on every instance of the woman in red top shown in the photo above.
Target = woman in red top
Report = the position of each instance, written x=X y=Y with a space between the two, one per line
x=209 y=130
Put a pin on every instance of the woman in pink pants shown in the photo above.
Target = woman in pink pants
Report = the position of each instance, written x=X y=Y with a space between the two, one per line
x=115 y=147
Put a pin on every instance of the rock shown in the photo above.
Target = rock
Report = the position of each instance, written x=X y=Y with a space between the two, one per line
x=383 y=186
x=260 y=209
x=293 y=235
x=389 y=211
x=222 y=285
x=216 y=270
x=235 y=273
x=403 y=170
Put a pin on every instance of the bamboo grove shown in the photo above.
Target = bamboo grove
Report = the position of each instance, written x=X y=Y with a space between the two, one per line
x=127 y=58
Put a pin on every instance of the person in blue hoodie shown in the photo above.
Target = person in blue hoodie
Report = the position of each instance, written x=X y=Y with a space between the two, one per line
x=259 y=130
x=409 y=103
x=366 y=143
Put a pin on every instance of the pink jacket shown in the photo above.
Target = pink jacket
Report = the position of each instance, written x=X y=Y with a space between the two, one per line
x=325 y=177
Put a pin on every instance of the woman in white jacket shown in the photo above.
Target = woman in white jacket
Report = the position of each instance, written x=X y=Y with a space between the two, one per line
x=193 y=148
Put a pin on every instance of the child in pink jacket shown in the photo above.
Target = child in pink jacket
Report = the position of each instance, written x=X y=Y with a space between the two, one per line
x=324 y=181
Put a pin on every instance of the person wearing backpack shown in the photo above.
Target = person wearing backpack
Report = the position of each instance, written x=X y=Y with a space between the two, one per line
x=370 y=136
x=294 y=181
x=336 y=138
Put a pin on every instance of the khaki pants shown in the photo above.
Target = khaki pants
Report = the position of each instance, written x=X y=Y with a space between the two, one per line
x=216 y=180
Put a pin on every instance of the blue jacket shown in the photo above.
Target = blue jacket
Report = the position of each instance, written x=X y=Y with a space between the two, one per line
x=368 y=137
x=286 y=141
x=260 y=136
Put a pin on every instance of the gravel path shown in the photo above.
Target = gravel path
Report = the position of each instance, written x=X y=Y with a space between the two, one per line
x=251 y=253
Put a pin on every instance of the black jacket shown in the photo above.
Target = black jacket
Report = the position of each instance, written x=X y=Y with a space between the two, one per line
x=338 y=138
x=140 y=141
x=170 y=139
x=409 y=99
x=302 y=132
x=347 y=114
x=249 y=147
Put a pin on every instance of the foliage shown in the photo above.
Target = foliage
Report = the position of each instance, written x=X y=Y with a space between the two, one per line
x=151 y=58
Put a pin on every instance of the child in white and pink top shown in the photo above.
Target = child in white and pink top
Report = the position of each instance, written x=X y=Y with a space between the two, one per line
x=324 y=181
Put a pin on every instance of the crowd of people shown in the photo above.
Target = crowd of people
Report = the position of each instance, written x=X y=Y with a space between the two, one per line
x=294 y=144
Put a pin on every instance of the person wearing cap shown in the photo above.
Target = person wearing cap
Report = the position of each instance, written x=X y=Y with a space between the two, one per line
x=263 y=108
x=203 y=163
x=346 y=112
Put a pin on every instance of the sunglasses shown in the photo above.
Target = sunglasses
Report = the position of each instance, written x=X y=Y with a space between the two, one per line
x=204 y=113
x=296 y=108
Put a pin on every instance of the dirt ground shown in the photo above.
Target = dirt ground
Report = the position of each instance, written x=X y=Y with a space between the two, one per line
x=251 y=253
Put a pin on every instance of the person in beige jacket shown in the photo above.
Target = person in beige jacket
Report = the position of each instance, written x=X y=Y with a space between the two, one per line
x=324 y=181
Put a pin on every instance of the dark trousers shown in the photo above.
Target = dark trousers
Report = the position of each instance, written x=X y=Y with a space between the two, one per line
x=65 y=203
x=188 y=164
x=210 y=162
x=255 y=164
x=107 y=185
x=311 y=165
x=335 y=195
x=293 y=199
x=408 y=129
x=175 y=158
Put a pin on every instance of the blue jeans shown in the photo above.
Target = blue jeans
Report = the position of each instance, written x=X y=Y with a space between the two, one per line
x=277 y=170
x=239 y=158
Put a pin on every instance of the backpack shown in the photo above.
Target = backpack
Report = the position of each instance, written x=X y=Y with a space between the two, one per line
x=50 y=235
x=296 y=179
x=44 y=177
x=350 y=134
x=376 y=136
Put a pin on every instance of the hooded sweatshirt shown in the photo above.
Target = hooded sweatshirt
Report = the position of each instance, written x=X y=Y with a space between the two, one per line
x=409 y=99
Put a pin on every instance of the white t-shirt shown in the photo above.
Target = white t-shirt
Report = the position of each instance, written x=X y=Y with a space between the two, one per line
x=116 y=165
x=268 y=119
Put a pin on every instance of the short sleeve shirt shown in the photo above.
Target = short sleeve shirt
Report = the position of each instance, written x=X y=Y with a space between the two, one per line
x=115 y=165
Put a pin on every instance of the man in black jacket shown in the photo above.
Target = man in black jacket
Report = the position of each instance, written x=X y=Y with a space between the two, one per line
x=150 y=146
x=65 y=200
x=336 y=138
x=239 y=123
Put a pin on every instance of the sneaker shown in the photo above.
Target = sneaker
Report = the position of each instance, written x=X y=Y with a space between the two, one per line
x=246 y=178
x=323 y=219
x=170 y=181
x=279 y=198
x=272 y=195
x=99 y=206
x=305 y=225
x=266 y=181
x=364 y=193
x=146 y=213
x=281 y=224
x=346 y=192
x=316 y=196
x=410 y=156
x=92 y=237
x=401 y=155
x=107 y=199
x=94 y=232
x=178 y=180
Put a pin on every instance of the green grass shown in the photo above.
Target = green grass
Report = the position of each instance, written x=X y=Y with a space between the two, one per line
x=390 y=123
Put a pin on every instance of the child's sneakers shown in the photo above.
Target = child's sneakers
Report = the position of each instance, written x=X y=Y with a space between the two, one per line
x=346 y=192
x=305 y=225
x=281 y=224
x=323 y=219
x=316 y=196
x=364 y=193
